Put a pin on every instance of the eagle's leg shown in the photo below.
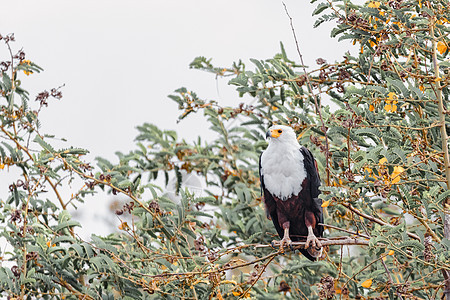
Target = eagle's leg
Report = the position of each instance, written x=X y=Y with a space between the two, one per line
x=310 y=222
x=312 y=239
x=286 y=240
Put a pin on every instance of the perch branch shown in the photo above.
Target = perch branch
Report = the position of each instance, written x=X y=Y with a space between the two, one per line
x=342 y=241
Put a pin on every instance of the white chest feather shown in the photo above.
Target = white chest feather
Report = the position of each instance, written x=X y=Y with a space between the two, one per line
x=283 y=170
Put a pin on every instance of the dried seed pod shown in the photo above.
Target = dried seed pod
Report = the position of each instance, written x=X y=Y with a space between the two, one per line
x=154 y=206
x=198 y=244
x=16 y=271
x=284 y=287
x=16 y=216
x=321 y=61
x=326 y=288
x=427 y=253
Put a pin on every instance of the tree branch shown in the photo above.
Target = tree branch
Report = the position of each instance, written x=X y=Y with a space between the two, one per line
x=344 y=230
x=444 y=138
x=376 y=220
x=340 y=241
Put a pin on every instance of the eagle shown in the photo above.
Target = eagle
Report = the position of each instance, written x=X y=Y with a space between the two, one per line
x=290 y=188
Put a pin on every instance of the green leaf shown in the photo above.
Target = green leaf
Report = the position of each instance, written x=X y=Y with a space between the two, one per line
x=47 y=147
x=66 y=224
x=320 y=8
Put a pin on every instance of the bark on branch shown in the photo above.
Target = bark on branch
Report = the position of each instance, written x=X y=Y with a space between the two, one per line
x=444 y=137
x=339 y=241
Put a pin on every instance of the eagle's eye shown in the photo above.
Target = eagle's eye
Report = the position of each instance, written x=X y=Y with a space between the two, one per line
x=280 y=131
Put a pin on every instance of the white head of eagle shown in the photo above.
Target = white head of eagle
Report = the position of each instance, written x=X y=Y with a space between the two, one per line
x=282 y=163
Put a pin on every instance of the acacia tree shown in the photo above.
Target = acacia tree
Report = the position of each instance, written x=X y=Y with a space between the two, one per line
x=382 y=155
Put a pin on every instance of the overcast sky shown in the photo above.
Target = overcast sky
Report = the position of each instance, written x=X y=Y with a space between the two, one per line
x=119 y=60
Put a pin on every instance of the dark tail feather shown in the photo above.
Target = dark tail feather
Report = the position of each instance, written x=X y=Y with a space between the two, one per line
x=307 y=255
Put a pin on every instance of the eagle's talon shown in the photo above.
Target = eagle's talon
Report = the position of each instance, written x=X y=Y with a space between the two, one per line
x=285 y=242
x=314 y=241
x=316 y=246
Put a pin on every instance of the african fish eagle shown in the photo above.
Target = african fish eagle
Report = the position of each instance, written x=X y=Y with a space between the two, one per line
x=290 y=188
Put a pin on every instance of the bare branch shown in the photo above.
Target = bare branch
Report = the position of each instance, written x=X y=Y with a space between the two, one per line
x=344 y=230
x=316 y=103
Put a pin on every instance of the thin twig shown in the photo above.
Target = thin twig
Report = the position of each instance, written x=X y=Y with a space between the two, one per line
x=376 y=220
x=26 y=150
x=388 y=274
x=244 y=294
x=316 y=103
x=345 y=230
x=364 y=268
x=443 y=130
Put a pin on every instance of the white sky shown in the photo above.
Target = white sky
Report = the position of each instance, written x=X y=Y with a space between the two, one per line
x=120 y=59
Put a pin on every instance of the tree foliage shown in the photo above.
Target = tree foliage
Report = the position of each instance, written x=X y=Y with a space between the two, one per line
x=375 y=121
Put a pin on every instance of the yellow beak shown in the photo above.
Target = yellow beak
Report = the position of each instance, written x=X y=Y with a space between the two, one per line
x=273 y=133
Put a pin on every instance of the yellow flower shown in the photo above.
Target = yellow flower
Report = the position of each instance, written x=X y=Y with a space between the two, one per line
x=374 y=4
x=392 y=96
x=26 y=62
x=371 y=107
x=2 y=166
x=382 y=161
x=123 y=226
x=326 y=203
x=391 y=107
x=441 y=47
x=391 y=101
x=367 y=284
x=50 y=245
x=391 y=252
x=247 y=295
x=395 y=176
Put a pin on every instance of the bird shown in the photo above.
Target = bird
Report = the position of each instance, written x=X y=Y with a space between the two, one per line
x=290 y=188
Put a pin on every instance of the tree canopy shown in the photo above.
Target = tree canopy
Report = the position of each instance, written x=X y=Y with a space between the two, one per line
x=376 y=123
